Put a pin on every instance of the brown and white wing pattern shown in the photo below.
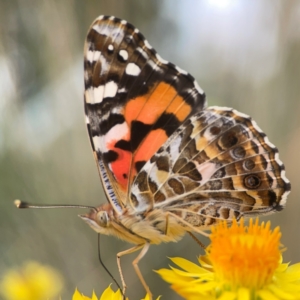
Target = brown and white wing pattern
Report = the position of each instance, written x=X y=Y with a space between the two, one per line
x=218 y=165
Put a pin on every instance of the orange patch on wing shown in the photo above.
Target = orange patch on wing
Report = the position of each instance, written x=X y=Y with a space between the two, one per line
x=148 y=108
x=152 y=142
x=133 y=107
x=121 y=166
x=179 y=108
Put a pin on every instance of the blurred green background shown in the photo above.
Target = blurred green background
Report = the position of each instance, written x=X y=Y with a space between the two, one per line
x=244 y=54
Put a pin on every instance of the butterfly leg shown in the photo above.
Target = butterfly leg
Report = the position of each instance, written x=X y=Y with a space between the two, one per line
x=144 y=250
x=197 y=240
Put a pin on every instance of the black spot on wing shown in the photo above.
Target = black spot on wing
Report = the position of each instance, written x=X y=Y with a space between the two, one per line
x=124 y=145
x=138 y=132
x=167 y=122
x=255 y=147
x=272 y=198
x=110 y=156
x=113 y=119
x=163 y=163
x=90 y=136
x=139 y=165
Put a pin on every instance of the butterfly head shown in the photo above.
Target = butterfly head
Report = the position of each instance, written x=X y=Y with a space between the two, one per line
x=99 y=219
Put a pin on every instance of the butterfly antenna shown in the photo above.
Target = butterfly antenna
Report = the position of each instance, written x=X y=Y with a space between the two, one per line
x=22 y=204
x=105 y=268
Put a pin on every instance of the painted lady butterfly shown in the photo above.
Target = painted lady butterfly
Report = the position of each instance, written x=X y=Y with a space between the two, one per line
x=168 y=164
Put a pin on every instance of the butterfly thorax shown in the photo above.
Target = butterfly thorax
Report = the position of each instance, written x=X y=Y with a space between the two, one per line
x=138 y=228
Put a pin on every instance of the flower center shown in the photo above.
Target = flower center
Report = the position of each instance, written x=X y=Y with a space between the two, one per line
x=245 y=256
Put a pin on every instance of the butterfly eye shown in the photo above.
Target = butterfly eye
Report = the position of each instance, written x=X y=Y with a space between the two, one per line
x=102 y=218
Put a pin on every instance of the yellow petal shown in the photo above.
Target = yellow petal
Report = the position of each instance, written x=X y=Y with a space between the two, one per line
x=94 y=297
x=243 y=294
x=170 y=277
x=267 y=295
x=227 y=296
x=187 y=265
x=76 y=295
x=107 y=294
x=281 y=294
x=205 y=262
x=147 y=297
x=191 y=274
x=117 y=295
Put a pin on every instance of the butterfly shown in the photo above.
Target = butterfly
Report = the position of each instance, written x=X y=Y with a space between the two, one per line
x=168 y=163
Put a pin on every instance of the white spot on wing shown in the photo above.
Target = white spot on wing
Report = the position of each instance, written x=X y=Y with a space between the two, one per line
x=132 y=69
x=143 y=52
x=161 y=59
x=256 y=127
x=136 y=30
x=100 y=18
x=284 y=178
x=99 y=29
x=117 y=132
x=89 y=95
x=110 y=89
x=117 y=110
x=110 y=47
x=147 y=44
x=123 y=54
x=123 y=22
x=207 y=134
x=98 y=94
x=92 y=56
x=116 y=33
x=174 y=148
x=242 y=115
x=122 y=90
x=220 y=108
x=198 y=88
x=181 y=70
x=97 y=140
x=153 y=65
x=284 y=198
x=276 y=158
x=206 y=170
x=269 y=143
x=87 y=120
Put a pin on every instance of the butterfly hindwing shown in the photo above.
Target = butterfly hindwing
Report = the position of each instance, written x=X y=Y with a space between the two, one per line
x=134 y=101
x=217 y=165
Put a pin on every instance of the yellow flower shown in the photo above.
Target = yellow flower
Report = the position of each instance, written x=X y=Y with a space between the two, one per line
x=31 y=282
x=241 y=263
x=108 y=294
x=78 y=296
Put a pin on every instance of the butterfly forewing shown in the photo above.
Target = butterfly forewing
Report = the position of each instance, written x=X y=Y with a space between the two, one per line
x=134 y=101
